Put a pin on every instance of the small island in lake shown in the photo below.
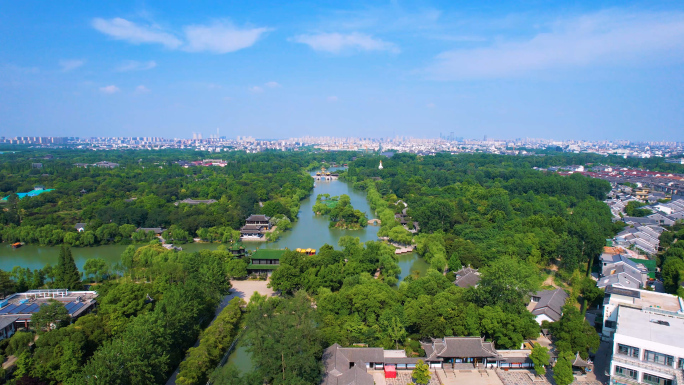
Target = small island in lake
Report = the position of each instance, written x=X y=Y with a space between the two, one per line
x=340 y=211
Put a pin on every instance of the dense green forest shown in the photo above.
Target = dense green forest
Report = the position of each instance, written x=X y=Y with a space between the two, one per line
x=494 y=213
x=146 y=319
x=517 y=225
x=142 y=193
x=472 y=209
x=671 y=259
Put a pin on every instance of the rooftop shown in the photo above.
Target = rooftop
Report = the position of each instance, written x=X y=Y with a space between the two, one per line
x=26 y=303
x=644 y=325
x=645 y=299
x=31 y=193
x=268 y=254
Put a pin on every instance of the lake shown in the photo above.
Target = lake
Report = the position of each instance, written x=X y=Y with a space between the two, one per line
x=310 y=231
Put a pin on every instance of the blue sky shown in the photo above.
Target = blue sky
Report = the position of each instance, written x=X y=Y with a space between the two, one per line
x=564 y=70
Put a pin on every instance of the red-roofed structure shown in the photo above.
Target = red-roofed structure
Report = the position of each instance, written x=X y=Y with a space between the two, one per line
x=390 y=371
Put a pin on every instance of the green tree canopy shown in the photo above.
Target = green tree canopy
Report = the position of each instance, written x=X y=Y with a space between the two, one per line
x=66 y=274
x=506 y=282
x=421 y=374
x=540 y=357
x=574 y=334
x=562 y=370
x=50 y=316
x=284 y=340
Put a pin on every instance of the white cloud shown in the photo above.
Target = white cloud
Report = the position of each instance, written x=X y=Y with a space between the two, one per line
x=132 y=65
x=332 y=99
x=338 y=42
x=256 y=90
x=272 y=85
x=109 y=89
x=20 y=69
x=220 y=37
x=604 y=38
x=69 y=65
x=122 y=29
x=141 y=89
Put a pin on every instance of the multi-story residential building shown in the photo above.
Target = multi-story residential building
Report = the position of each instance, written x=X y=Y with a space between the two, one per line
x=647 y=331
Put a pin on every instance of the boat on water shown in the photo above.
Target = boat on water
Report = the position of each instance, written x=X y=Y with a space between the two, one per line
x=17 y=245
x=306 y=251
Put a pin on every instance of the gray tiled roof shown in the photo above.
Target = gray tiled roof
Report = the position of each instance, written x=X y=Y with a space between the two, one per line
x=550 y=303
x=355 y=376
x=467 y=277
x=620 y=280
x=258 y=218
x=579 y=362
x=458 y=347
x=155 y=229
x=7 y=320
x=469 y=280
x=337 y=359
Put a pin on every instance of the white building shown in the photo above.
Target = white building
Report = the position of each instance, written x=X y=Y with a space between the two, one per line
x=647 y=330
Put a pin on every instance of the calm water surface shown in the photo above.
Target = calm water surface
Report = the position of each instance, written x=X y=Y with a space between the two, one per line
x=310 y=231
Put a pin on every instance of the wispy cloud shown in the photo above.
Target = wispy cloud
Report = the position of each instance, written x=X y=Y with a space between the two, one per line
x=109 y=89
x=122 y=29
x=339 y=42
x=220 y=37
x=141 y=89
x=605 y=38
x=272 y=85
x=256 y=90
x=70 y=65
x=217 y=37
x=132 y=65
x=332 y=99
x=20 y=69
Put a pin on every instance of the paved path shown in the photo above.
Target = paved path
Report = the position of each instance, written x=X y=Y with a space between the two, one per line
x=241 y=289
x=474 y=377
x=527 y=377
x=602 y=361
x=245 y=289
x=404 y=377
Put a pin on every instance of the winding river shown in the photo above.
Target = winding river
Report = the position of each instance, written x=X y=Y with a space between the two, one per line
x=310 y=231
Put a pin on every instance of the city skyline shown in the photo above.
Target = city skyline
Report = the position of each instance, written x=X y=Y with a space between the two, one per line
x=414 y=69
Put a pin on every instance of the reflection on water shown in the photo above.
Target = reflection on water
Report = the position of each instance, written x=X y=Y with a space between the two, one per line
x=241 y=358
x=35 y=257
x=310 y=231
x=410 y=263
